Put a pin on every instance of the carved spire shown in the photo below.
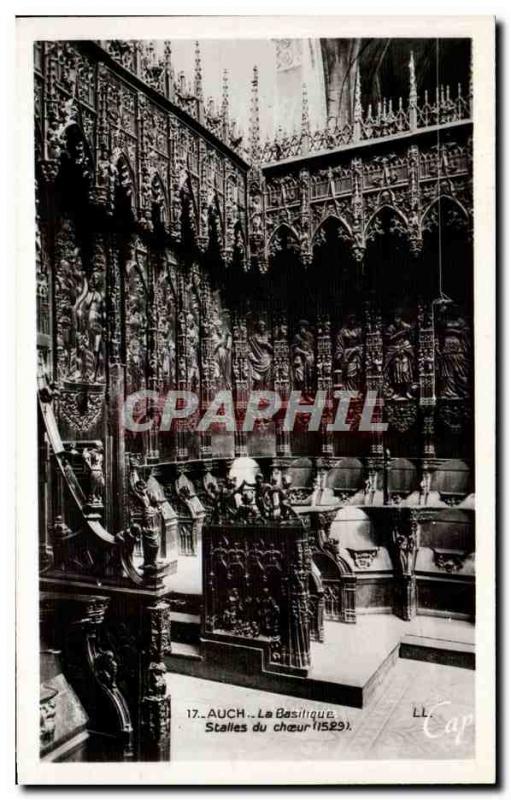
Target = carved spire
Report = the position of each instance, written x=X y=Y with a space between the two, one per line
x=225 y=100
x=198 y=72
x=169 y=70
x=412 y=98
x=357 y=108
x=198 y=81
x=255 y=130
x=305 y=129
x=306 y=125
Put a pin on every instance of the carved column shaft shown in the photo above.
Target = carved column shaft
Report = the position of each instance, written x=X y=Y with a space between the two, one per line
x=182 y=367
x=281 y=381
x=374 y=383
x=404 y=537
x=241 y=381
x=155 y=707
x=296 y=650
x=324 y=382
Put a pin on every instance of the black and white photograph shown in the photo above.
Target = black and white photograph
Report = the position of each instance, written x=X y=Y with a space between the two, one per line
x=260 y=269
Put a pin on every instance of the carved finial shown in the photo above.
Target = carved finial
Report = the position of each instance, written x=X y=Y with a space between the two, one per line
x=412 y=98
x=254 y=132
x=357 y=108
x=306 y=126
x=169 y=69
x=150 y=53
x=167 y=55
x=413 y=81
x=225 y=98
x=198 y=72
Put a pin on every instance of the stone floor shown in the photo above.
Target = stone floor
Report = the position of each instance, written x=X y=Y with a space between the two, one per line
x=352 y=653
x=421 y=710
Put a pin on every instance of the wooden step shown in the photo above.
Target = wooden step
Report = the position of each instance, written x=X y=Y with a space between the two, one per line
x=182 y=650
x=438 y=651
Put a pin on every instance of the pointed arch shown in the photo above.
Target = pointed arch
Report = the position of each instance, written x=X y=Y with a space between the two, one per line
x=329 y=218
x=381 y=210
x=388 y=267
x=447 y=200
x=449 y=257
x=283 y=237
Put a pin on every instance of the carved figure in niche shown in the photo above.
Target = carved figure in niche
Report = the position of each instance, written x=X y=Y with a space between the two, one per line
x=256 y=211
x=399 y=354
x=88 y=318
x=269 y=614
x=211 y=488
x=280 y=502
x=224 y=498
x=168 y=348
x=166 y=331
x=370 y=488
x=151 y=521
x=93 y=457
x=106 y=668
x=302 y=354
x=67 y=290
x=222 y=350
x=136 y=323
x=425 y=488
x=136 y=357
x=348 y=355
x=260 y=356
x=262 y=495
x=192 y=350
x=231 y=615
x=406 y=546
x=247 y=509
x=453 y=352
x=156 y=683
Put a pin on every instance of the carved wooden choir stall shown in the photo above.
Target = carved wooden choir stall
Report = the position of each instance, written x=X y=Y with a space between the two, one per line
x=172 y=255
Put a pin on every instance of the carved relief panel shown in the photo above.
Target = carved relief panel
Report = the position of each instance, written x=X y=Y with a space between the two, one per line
x=80 y=309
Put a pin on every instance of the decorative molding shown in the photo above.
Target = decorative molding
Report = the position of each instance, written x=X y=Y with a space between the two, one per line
x=362 y=558
x=449 y=560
